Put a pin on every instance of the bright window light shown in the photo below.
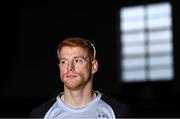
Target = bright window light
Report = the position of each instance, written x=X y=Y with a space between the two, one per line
x=146 y=43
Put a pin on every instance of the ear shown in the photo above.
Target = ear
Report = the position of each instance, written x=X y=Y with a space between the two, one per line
x=94 y=66
x=59 y=65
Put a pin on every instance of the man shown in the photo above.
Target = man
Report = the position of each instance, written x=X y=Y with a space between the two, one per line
x=77 y=64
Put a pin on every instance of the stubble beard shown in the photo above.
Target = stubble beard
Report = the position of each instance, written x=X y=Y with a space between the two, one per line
x=76 y=84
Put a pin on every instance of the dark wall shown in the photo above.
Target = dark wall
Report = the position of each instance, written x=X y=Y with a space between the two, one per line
x=31 y=33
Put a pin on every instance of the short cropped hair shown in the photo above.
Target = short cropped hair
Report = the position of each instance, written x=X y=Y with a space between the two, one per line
x=78 y=42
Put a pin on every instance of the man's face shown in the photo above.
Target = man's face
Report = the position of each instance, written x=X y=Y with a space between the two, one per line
x=75 y=67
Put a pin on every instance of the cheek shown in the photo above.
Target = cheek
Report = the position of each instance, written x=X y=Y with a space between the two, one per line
x=83 y=69
x=62 y=69
x=62 y=73
x=85 y=72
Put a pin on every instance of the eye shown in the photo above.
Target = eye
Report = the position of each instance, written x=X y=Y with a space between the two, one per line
x=63 y=61
x=78 y=60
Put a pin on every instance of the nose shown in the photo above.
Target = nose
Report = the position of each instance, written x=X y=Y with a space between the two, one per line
x=71 y=66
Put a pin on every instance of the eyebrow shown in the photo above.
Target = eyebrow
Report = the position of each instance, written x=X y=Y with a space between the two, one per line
x=85 y=58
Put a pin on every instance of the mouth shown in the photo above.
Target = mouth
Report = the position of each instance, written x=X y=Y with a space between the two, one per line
x=71 y=76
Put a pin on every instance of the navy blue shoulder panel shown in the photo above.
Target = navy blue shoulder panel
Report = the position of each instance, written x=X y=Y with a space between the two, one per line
x=40 y=111
x=120 y=109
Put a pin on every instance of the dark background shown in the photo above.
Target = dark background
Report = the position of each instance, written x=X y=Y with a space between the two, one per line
x=31 y=31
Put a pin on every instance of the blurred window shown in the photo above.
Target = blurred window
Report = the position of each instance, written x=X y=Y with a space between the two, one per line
x=146 y=42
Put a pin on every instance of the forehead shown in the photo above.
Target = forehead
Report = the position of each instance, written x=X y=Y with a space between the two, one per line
x=72 y=51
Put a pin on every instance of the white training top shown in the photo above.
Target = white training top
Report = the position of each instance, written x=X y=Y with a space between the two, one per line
x=96 y=109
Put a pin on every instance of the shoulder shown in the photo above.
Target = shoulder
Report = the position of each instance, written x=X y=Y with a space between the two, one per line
x=40 y=111
x=120 y=109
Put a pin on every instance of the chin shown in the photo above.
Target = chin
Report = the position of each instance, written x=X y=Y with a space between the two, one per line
x=73 y=85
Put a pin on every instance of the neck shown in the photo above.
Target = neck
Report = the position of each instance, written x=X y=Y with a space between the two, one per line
x=78 y=98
